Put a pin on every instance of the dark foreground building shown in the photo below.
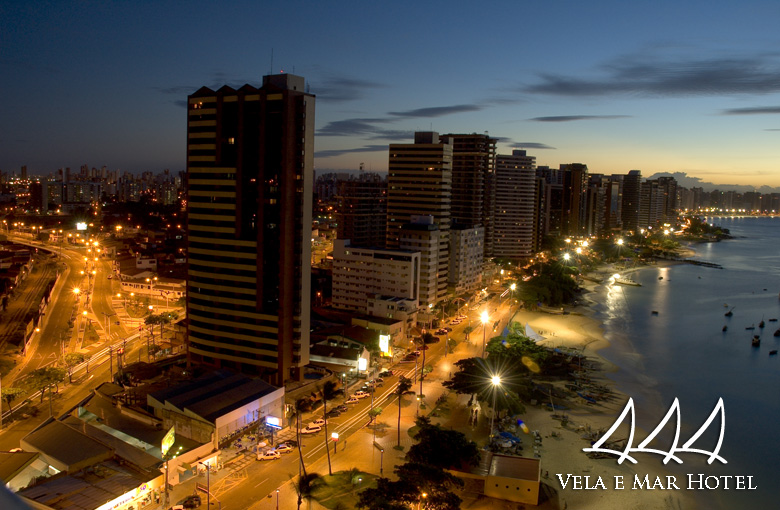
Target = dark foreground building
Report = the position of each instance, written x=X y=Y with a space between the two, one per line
x=249 y=168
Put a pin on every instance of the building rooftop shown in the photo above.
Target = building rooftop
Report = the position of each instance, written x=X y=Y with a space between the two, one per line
x=214 y=394
x=58 y=441
x=11 y=463
x=86 y=490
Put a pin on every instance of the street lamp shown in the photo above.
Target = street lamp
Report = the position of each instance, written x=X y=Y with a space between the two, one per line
x=277 y=499
x=335 y=437
x=512 y=288
x=496 y=380
x=484 y=319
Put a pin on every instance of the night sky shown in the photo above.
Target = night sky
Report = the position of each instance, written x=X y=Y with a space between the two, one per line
x=617 y=85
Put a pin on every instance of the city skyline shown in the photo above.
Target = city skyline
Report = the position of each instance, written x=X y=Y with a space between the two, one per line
x=659 y=88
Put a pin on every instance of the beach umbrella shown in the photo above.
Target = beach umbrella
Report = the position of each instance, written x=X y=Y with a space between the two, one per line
x=522 y=425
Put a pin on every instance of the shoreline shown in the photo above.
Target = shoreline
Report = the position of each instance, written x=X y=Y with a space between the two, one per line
x=581 y=329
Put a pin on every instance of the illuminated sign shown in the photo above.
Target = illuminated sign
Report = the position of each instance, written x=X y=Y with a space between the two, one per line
x=81 y=226
x=167 y=441
x=362 y=363
x=384 y=344
x=273 y=422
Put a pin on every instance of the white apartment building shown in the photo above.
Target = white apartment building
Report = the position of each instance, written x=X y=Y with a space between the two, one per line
x=466 y=256
x=515 y=206
x=423 y=236
x=361 y=273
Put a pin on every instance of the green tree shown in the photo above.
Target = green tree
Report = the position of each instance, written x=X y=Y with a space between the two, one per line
x=46 y=378
x=388 y=495
x=373 y=413
x=441 y=448
x=328 y=393
x=72 y=360
x=9 y=394
x=404 y=384
x=467 y=330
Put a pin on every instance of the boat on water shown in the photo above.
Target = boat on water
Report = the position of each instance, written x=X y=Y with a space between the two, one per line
x=725 y=328
x=777 y=333
x=773 y=352
x=750 y=328
x=761 y=324
x=772 y=320
x=756 y=341
x=654 y=312
x=730 y=312
x=626 y=280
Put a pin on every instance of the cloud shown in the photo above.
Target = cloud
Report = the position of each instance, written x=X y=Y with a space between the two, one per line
x=772 y=129
x=570 y=118
x=756 y=110
x=341 y=88
x=338 y=152
x=436 y=111
x=351 y=127
x=532 y=145
x=177 y=90
x=393 y=134
x=645 y=75
x=181 y=103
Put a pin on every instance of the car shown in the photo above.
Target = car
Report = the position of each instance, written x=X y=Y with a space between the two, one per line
x=455 y=322
x=311 y=429
x=441 y=331
x=379 y=379
x=409 y=357
x=291 y=442
x=448 y=330
x=339 y=391
x=361 y=394
x=386 y=373
x=283 y=448
x=341 y=408
x=333 y=413
x=432 y=339
x=462 y=317
x=269 y=455
x=351 y=400
x=319 y=422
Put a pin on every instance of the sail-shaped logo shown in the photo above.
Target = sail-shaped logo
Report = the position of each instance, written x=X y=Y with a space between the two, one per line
x=671 y=454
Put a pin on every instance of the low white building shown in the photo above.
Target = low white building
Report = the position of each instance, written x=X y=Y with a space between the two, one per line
x=360 y=273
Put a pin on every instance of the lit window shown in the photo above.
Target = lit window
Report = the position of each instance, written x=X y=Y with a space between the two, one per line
x=231 y=140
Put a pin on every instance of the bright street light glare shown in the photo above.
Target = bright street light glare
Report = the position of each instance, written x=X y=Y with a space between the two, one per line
x=496 y=380
x=484 y=317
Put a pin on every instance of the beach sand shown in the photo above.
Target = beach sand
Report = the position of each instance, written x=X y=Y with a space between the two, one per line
x=561 y=446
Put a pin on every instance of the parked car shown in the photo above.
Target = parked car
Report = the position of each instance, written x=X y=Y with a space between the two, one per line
x=379 y=379
x=291 y=442
x=339 y=391
x=311 y=429
x=386 y=373
x=269 y=455
x=361 y=394
x=341 y=408
x=333 y=413
x=448 y=330
x=319 y=422
x=409 y=357
x=432 y=339
x=351 y=400
x=283 y=448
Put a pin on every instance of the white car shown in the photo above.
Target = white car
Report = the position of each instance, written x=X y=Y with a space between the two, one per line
x=361 y=394
x=317 y=423
x=311 y=429
x=352 y=400
x=269 y=455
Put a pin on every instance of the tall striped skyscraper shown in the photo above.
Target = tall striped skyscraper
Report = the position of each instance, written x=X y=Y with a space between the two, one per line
x=249 y=168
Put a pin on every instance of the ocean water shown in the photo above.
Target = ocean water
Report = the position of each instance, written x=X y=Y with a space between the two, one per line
x=682 y=352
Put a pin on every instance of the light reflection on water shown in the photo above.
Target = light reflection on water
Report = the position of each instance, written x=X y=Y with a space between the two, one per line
x=683 y=352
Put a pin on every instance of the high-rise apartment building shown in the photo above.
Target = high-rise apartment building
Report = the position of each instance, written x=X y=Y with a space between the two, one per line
x=419 y=183
x=473 y=182
x=632 y=184
x=250 y=171
x=515 y=206
x=362 y=210
x=467 y=252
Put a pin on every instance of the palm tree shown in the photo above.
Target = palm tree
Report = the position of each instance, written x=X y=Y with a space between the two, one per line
x=427 y=338
x=328 y=393
x=301 y=405
x=467 y=330
x=305 y=487
x=404 y=383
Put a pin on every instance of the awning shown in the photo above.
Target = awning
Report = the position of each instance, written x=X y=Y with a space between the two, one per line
x=533 y=335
